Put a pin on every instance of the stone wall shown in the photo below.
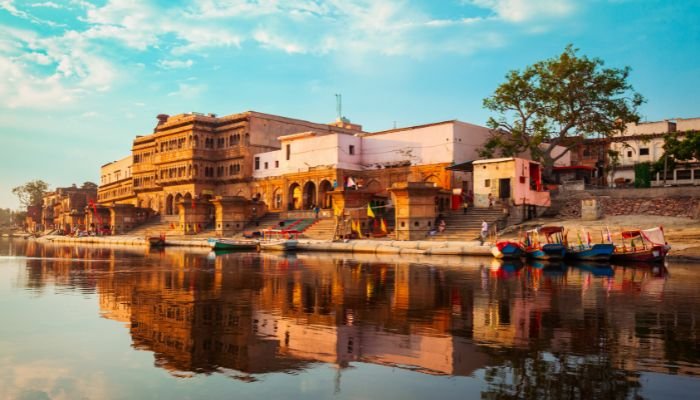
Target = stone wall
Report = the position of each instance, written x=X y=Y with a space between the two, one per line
x=672 y=203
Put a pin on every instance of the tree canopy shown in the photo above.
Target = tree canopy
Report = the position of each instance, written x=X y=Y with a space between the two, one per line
x=558 y=101
x=31 y=193
x=682 y=146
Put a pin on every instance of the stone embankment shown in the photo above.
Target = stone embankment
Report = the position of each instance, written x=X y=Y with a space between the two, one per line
x=462 y=248
x=681 y=202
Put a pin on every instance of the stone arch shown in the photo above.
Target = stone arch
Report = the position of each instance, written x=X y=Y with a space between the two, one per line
x=169 y=206
x=324 y=197
x=374 y=186
x=294 y=197
x=176 y=201
x=309 y=195
x=433 y=179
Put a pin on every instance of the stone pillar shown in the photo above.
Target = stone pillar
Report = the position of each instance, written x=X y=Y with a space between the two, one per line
x=590 y=210
x=414 y=203
x=122 y=218
x=232 y=213
x=192 y=216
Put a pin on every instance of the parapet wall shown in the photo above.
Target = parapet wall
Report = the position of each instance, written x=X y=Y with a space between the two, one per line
x=670 y=202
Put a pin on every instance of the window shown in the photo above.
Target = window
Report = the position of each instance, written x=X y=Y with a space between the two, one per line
x=644 y=151
x=629 y=153
x=289 y=151
x=487 y=183
x=265 y=164
x=586 y=152
x=257 y=162
x=277 y=164
x=351 y=150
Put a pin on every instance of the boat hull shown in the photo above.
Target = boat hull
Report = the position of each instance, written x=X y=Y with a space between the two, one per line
x=279 y=245
x=656 y=253
x=549 y=251
x=156 y=241
x=223 y=244
x=598 y=252
x=508 y=250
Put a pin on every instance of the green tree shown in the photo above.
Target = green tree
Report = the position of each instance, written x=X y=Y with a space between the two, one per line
x=558 y=101
x=30 y=193
x=682 y=146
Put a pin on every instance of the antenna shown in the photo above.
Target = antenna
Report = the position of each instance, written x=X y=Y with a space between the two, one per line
x=339 y=105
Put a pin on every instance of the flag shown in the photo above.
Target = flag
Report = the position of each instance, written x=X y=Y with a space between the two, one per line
x=382 y=226
x=356 y=227
x=351 y=182
x=588 y=234
x=370 y=213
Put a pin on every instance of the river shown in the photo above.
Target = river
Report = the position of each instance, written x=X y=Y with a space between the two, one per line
x=131 y=323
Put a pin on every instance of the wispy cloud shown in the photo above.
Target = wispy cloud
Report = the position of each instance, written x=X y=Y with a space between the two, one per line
x=526 y=10
x=47 y=4
x=175 y=64
x=188 y=91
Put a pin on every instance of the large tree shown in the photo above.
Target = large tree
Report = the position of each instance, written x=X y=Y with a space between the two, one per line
x=30 y=193
x=558 y=102
x=682 y=146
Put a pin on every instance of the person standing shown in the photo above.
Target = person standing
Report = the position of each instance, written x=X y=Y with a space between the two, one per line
x=484 y=231
x=317 y=209
x=490 y=200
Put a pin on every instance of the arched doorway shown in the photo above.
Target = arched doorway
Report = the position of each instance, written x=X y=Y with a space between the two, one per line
x=294 y=197
x=325 y=200
x=434 y=179
x=210 y=213
x=176 y=202
x=169 y=205
x=188 y=200
x=309 y=195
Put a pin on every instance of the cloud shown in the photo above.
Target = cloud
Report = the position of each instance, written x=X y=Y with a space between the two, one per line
x=188 y=91
x=268 y=40
x=47 y=4
x=9 y=6
x=526 y=10
x=175 y=64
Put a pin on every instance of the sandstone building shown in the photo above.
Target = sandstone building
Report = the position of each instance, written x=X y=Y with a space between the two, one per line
x=201 y=171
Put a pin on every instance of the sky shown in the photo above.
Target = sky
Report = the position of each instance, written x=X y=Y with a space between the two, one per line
x=79 y=79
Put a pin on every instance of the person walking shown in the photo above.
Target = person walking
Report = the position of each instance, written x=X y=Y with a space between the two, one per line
x=484 y=231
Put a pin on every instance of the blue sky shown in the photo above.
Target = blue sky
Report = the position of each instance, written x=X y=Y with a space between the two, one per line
x=80 y=78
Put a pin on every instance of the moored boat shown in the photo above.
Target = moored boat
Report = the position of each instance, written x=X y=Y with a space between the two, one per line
x=508 y=249
x=231 y=244
x=647 y=245
x=156 y=241
x=279 y=240
x=554 y=249
x=597 y=252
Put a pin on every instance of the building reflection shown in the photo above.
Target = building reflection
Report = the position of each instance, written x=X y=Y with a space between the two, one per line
x=525 y=327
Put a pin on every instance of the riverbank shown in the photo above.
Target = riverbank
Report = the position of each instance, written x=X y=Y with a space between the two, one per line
x=682 y=233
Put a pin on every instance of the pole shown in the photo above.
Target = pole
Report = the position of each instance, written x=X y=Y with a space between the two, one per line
x=665 y=167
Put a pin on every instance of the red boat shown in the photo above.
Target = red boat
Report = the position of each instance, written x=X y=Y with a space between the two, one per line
x=648 y=245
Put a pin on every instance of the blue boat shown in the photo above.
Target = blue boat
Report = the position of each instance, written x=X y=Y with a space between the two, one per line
x=549 y=251
x=508 y=249
x=597 y=252
x=552 y=249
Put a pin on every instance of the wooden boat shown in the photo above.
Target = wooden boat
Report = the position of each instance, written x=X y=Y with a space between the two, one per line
x=508 y=249
x=231 y=244
x=554 y=249
x=156 y=241
x=279 y=239
x=597 y=252
x=647 y=245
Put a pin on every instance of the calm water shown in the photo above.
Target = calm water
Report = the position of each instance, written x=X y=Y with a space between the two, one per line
x=126 y=323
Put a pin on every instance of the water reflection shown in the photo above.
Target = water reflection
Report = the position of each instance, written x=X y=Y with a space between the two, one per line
x=527 y=331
